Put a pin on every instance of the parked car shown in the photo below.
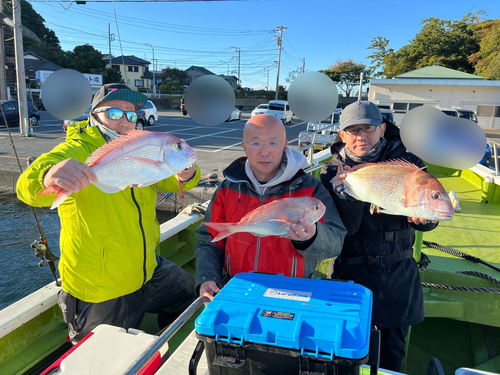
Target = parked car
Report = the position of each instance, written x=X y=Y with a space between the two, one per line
x=387 y=115
x=150 y=112
x=235 y=115
x=259 y=110
x=183 y=107
x=81 y=118
x=449 y=111
x=280 y=109
x=141 y=120
x=469 y=115
x=11 y=110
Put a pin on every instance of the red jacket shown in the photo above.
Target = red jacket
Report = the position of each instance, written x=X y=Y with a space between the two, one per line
x=244 y=252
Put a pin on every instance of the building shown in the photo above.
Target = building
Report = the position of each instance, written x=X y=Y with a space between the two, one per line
x=194 y=72
x=134 y=70
x=438 y=86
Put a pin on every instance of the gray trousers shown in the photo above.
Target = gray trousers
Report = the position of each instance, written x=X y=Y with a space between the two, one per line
x=169 y=292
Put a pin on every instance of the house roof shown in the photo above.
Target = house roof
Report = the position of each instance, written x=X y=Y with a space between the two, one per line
x=129 y=60
x=227 y=77
x=436 y=72
x=200 y=69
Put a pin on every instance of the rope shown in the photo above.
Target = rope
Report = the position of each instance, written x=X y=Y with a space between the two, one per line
x=459 y=254
x=462 y=288
x=424 y=262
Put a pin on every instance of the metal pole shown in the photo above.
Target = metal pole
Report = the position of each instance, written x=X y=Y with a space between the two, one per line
x=3 y=78
x=360 y=85
x=109 y=39
x=21 y=78
x=154 y=79
x=138 y=365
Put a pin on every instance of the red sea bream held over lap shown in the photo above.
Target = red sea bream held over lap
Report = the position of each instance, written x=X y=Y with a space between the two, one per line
x=136 y=159
x=272 y=218
x=398 y=187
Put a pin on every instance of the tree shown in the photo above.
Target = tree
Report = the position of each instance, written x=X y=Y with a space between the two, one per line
x=447 y=41
x=346 y=74
x=293 y=75
x=174 y=74
x=111 y=76
x=487 y=59
x=85 y=59
x=48 y=47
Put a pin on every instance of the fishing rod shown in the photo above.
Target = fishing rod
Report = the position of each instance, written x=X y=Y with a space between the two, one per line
x=41 y=247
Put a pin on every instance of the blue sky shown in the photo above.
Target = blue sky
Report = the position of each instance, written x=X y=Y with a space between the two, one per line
x=204 y=33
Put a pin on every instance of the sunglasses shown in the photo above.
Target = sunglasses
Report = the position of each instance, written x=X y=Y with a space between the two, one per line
x=117 y=113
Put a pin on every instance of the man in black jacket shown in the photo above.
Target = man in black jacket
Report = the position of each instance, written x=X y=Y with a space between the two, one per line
x=377 y=251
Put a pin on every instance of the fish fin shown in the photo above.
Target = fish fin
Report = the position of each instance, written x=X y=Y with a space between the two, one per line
x=103 y=150
x=61 y=196
x=374 y=209
x=142 y=185
x=223 y=229
x=154 y=163
x=108 y=188
x=281 y=220
x=179 y=183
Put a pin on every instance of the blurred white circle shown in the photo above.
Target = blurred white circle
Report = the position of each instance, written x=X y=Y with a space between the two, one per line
x=66 y=94
x=313 y=96
x=444 y=140
x=209 y=100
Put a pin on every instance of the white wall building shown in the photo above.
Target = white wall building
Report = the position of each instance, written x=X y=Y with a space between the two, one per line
x=437 y=86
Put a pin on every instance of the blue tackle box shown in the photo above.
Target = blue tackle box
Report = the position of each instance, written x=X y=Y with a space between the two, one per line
x=272 y=324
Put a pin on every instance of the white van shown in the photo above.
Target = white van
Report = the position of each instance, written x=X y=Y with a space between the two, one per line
x=280 y=109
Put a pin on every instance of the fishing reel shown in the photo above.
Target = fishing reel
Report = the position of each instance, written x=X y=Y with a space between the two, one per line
x=42 y=251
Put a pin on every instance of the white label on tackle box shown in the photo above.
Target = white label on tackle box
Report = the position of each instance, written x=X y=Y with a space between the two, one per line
x=295 y=295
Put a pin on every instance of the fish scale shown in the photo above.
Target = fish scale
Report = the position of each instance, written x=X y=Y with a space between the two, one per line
x=399 y=188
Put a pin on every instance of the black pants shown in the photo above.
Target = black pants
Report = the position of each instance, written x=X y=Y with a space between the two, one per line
x=169 y=292
x=392 y=347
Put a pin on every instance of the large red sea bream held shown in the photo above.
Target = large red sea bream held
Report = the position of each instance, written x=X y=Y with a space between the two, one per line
x=397 y=187
x=136 y=159
x=272 y=218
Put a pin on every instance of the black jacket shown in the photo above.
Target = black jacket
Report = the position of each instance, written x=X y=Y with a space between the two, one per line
x=397 y=292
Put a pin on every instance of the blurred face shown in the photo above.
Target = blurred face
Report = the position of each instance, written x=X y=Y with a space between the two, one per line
x=362 y=142
x=264 y=140
x=120 y=125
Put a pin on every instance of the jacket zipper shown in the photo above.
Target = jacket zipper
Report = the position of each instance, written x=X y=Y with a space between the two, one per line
x=294 y=267
x=228 y=265
x=143 y=236
x=258 y=243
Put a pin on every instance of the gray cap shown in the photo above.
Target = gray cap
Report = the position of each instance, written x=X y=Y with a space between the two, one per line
x=360 y=113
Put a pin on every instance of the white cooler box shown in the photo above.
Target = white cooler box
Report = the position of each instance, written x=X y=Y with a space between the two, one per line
x=108 y=350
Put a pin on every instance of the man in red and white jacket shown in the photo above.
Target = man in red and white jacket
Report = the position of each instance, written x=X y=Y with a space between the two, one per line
x=270 y=171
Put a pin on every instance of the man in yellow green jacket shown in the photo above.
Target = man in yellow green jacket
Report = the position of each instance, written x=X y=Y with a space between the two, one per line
x=109 y=269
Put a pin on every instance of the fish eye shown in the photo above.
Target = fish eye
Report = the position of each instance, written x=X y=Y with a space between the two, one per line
x=436 y=195
x=178 y=146
x=315 y=207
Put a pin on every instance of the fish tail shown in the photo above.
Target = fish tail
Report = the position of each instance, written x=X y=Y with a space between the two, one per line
x=224 y=230
x=61 y=196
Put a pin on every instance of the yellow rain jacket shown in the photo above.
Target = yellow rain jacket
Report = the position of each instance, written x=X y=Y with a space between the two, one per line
x=108 y=241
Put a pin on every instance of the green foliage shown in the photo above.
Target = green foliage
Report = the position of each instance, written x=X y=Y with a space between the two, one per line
x=487 y=59
x=173 y=87
x=173 y=74
x=447 y=41
x=111 y=76
x=346 y=74
x=85 y=59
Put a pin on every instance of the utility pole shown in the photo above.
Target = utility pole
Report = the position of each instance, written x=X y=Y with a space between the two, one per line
x=21 y=79
x=303 y=65
x=237 y=49
x=154 y=79
x=3 y=78
x=360 y=85
x=110 y=39
x=267 y=85
x=280 y=45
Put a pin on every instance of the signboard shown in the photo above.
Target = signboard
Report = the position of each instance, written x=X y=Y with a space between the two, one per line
x=42 y=75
